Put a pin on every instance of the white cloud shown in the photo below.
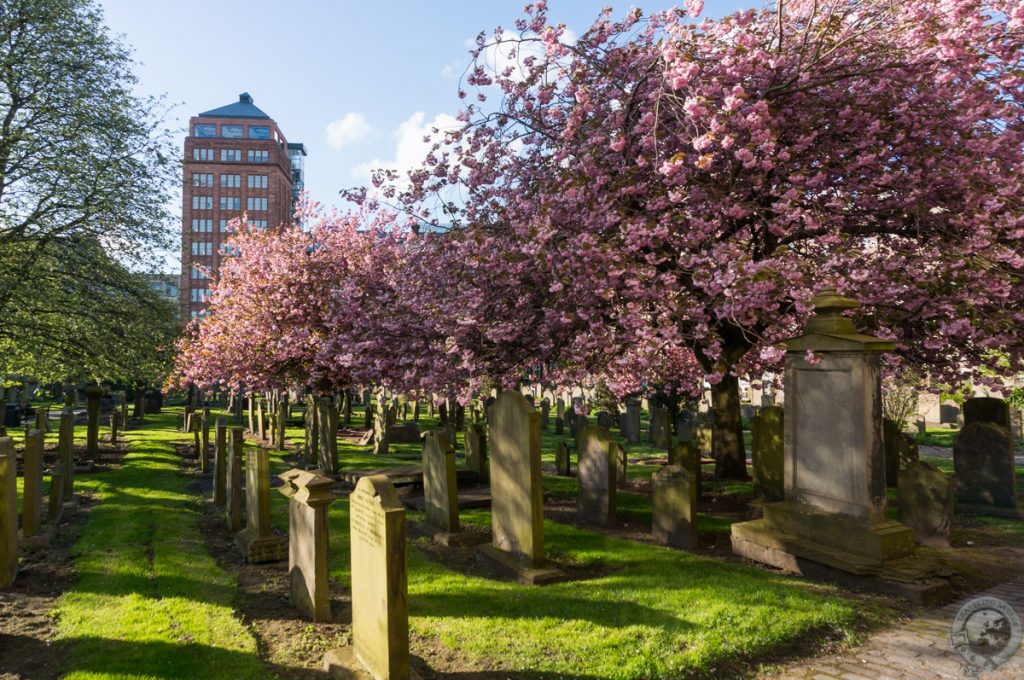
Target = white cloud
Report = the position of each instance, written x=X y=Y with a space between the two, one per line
x=350 y=129
x=510 y=50
x=410 y=149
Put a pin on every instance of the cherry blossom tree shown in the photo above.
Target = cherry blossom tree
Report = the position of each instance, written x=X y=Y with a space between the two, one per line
x=672 y=191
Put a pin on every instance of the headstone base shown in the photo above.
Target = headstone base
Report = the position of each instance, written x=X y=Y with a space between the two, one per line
x=260 y=549
x=342 y=664
x=526 y=575
x=41 y=540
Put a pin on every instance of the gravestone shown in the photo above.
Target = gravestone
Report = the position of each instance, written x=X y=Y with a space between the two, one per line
x=8 y=512
x=32 y=491
x=631 y=424
x=949 y=414
x=562 y=461
x=261 y=426
x=380 y=609
x=621 y=463
x=43 y=419
x=55 y=501
x=441 y=491
x=545 y=414
x=926 y=501
x=381 y=424
x=65 y=452
x=233 y=481
x=220 y=457
x=704 y=435
x=251 y=411
x=258 y=542
x=674 y=507
x=767 y=450
x=517 y=504
x=475 y=442
x=985 y=471
x=570 y=421
x=559 y=416
x=327 y=434
x=987 y=410
x=123 y=400
x=309 y=495
x=604 y=419
x=416 y=411
x=281 y=422
x=93 y=393
x=115 y=422
x=659 y=434
x=204 y=442
x=685 y=455
x=834 y=512
x=597 y=467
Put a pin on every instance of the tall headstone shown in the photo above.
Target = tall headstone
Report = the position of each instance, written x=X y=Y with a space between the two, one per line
x=43 y=419
x=685 y=455
x=767 y=449
x=517 y=505
x=65 y=452
x=251 y=411
x=835 y=507
x=674 y=507
x=562 y=462
x=281 y=422
x=597 y=475
x=309 y=495
x=621 y=463
x=440 y=489
x=92 y=411
x=220 y=459
x=122 y=398
x=559 y=416
x=204 y=441
x=987 y=410
x=381 y=424
x=659 y=432
x=115 y=424
x=55 y=500
x=631 y=429
x=8 y=512
x=233 y=484
x=311 y=442
x=926 y=501
x=258 y=541
x=380 y=609
x=475 y=442
x=261 y=426
x=327 y=422
x=986 y=475
x=545 y=414
x=32 y=491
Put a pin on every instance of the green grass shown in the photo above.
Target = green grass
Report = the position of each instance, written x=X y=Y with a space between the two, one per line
x=150 y=601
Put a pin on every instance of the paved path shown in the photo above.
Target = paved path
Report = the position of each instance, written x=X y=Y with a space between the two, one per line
x=917 y=650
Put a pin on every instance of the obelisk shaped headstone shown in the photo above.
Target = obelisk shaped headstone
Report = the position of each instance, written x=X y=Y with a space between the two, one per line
x=8 y=513
x=32 y=493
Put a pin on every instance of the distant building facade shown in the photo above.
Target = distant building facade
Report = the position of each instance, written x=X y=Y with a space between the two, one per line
x=238 y=164
x=167 y=285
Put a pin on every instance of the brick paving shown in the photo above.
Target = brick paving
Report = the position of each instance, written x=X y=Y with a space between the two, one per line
x=917 y=650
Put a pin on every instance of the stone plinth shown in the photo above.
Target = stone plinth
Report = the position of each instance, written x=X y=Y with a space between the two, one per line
x=674 y=507
x=220 y=459
x=926 y=503
x=233 y=480
x=475 y=441
x=65 y=452
x=32 y=492
x=768 y=452
x=517 y=508
x=983 y=458
x=309 y=495
x=597 y=475
x=8 y=513
x=258 y=541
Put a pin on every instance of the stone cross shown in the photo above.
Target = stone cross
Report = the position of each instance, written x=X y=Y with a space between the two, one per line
x=767 y=452
x=220 y=459
x=233 y=481
x=32 y=493
x=65 y=452
x=309 y=495
x=258 y=541
x=674 y=507
x=440 y=488
x=475 y=442
x=597 y=467
x=8 y=512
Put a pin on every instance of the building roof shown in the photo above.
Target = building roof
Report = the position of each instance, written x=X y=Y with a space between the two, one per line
x=243 y=108
x=298 y=145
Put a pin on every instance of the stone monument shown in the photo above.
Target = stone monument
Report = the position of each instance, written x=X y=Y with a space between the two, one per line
x=562 y=463
x=233 y=480
x=220 y=459
x=674 y=507
x=32 y=492
x=597 y=468
x=258 y=542
x=65 y=452
x=475 y=442
x=441 y=491
x=767 y=431
x=8 y=512
x=309 y=495
x=987 y=410
x=926 y=503
x=986 y=475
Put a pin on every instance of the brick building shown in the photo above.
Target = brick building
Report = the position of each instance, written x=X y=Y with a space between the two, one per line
x=238 y=164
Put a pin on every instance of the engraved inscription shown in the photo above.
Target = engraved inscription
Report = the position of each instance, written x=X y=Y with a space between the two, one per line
x=366 y=515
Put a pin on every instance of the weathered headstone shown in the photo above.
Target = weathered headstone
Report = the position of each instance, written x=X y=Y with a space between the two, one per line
x=987 y=410
x=32 y=491
x=311 y=441
x=597 y=474
x=43 y=419
x=674 y=507
x=55 y=501
x=251 y=411
x=926 y=501
x=949 y=414
x=545 y=414
x=233 y=482
x=309 y=495
x=767 y=448
x=441 y=491
x=115 y=423
x=261 y=425
x=685 y=455
x=704 y=434
x=380 y=610
x=92 y=410
x=621 y=463
x=65 y=452
x=562 y=462
x=327 y=422
x=517 y=508
x=475 y=442
x=281 y=422
x=985 y=471
x=381 y=424
x=604 y=419
x=659 y=433
x=631 y=429
x=220 y=459
x=258 y=541
x=559 y=416
x=8 y=512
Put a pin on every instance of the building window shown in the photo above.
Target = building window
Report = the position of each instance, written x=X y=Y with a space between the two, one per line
x=258 y=224
x=230 y=155
x=231 y=181
x=202 y=202
x=223 y=225
x=230 y=203
x=202 y=179
x=256 y=203
x=204 y=131
x=198 y=273
x=256 y=181
x=231 y=131
x=202 y=248
x=226 y=249
x=202 y=225
x=259 y=156
x=202 y=154
x=200 y=294
x=259 y=132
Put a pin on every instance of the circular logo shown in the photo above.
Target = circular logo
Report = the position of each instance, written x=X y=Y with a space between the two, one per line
x=986 y=633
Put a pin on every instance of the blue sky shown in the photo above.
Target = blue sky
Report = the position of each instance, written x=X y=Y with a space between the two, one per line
x=358 y=83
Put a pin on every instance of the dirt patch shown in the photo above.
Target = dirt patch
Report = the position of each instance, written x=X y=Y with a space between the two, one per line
x=28 y=645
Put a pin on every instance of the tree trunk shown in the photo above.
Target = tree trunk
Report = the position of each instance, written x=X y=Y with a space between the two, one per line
x=727 y=437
